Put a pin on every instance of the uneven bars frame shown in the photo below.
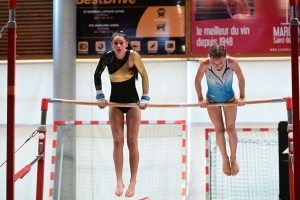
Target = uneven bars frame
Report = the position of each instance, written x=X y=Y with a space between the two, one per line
x=53 y=100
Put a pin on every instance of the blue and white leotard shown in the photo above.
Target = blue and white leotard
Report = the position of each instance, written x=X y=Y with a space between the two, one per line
x=219 y=84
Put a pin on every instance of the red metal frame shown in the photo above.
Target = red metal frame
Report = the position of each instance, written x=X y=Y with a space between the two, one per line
x=41 y=151
x=295 y=95
x=289 y=108
x=11 y=65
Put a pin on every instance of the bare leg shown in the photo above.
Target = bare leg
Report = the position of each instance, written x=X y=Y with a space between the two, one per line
x=133 y=118
x=230 y=113
x=116 y=118
x=215 y=114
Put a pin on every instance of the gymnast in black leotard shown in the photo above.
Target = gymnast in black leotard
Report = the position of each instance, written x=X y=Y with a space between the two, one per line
x=123 y=73
x=123 y=66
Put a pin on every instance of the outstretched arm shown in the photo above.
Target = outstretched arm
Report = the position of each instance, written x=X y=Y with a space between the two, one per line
x=98 y=83
x=233 y=63
x=145 y=81
x=97 y=75
x=142 y=71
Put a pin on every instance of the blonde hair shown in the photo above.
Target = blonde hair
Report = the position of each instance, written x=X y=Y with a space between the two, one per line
x=217 y=51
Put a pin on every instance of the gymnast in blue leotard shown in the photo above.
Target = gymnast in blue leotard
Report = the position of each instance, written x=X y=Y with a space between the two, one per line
x=123 y=66
x=218 y=69
x=219 y=83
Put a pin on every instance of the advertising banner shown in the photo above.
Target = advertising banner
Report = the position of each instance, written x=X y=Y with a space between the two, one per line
x=244 y=26
x=153 y=27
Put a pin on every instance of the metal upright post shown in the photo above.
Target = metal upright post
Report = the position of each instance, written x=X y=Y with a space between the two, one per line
x=289 y=108
x=11 y=70
x=294 y=24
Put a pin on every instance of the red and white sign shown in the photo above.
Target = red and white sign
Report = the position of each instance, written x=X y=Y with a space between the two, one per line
x=244 y=26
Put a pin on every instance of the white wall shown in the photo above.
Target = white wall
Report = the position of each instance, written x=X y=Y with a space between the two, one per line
x=170 y=82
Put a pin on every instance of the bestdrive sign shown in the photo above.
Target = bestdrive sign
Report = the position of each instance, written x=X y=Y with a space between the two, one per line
x=105 y=2
x=153 y=27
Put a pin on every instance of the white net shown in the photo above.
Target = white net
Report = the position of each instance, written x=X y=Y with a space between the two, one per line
x=257 y=154
x=84 y=168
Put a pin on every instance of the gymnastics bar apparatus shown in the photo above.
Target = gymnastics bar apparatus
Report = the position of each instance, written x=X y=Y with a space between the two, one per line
x=289 y=106
x=11 y=62
x=53 y=100
x=40 y=158
x=294 y=141
x=44 y=109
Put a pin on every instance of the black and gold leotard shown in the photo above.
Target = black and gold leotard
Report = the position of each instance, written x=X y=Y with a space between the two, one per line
x=122 y=73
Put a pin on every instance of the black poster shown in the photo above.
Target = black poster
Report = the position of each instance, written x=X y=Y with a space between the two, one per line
x=153 y=27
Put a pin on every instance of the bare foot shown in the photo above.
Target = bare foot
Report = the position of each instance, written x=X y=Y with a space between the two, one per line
x=119 y=190
x=130 y=190
x=235 y=168
x=226 y=167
